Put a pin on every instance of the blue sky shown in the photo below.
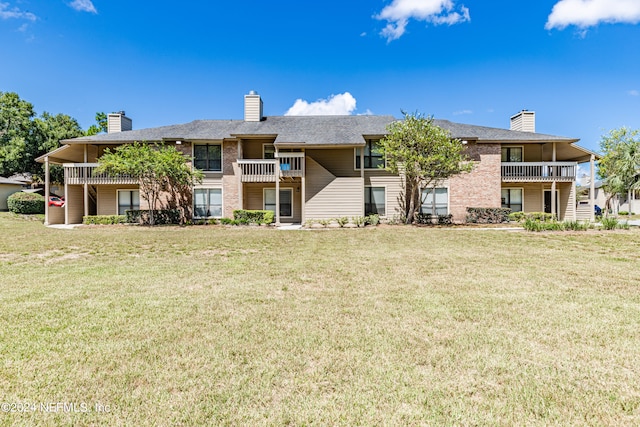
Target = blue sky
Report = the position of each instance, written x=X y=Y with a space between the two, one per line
x=575 y=62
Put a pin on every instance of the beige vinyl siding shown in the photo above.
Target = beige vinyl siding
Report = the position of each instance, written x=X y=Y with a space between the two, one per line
x=56 y=215
x=253 y=198
x=532 y=153
x=74 y=203
x=328 y=196
x=252 y=149
x=107 y=198
x=393 y=189
x=5 y=191
x=534 y=198
x=339 y=161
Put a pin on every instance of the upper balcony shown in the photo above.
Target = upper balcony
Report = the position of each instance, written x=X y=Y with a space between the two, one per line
x=288 y=165
x=539 y=171
x=84 y=173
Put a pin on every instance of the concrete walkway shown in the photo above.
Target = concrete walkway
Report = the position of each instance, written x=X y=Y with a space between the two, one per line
x=64 y=226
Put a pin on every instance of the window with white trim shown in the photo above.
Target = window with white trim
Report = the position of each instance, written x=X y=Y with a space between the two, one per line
x=128 y=200
x=286 y=201
x=435 y=201
x=208 y=157
x=511 y=154
x=372 y=158
x=512 y=199
x=207 y=202
x=374 y=201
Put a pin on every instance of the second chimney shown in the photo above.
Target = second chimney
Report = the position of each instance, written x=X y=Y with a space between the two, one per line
x=252 y=107
x=524 y=121
x=118 y=122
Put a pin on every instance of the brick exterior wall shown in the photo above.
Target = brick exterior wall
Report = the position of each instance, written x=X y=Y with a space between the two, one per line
x=479 y=188
x=231 y=199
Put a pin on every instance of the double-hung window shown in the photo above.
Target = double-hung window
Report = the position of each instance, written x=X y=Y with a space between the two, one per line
x=128 y=200
x=511 y=154
x=286 y=201
x=372 y=158
x=207 y=202
x=512 y=199
x=208 y=157
x=374 y=201
x=435 y=201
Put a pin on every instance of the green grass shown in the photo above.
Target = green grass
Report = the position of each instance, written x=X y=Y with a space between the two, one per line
x=212 y=325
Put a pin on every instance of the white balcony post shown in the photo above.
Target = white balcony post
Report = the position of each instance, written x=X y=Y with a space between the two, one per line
x=277 y=175
x=47 y=186
x=592 y=187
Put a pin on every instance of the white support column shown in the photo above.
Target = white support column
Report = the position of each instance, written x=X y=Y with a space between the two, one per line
x=47 y=190
x=554 y=208
x=277 y=175
x=303 y=193
x=592 y=187
x=86 y=186
x=362 y=177
x=66 y=198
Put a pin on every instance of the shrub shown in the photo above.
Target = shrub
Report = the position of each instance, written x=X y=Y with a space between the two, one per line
x=104 y=219
x=609 y=223
x=373 y=219
x=228 y=221
x=358 y=220
x=26 y=203
x=422 y=218
x=342 y=221
x=623 y=213
x=517 y=216
x=445 y=219
x=488 y=215
x=244 y=216
x=161 y=216
x=576 y=225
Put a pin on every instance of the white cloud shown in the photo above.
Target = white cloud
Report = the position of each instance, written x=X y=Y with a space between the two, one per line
x=461 y=112
x=589 y=13
x=634 y=92
x=437 y=12
x=83 y=6
x=335 y=105
x=7 y=12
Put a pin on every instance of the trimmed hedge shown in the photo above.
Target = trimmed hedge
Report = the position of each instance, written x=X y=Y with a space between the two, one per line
x=26 y=203
x=533 y=216
x=160 y=216
x=430 y=219
x=244 y=216
x=104 y=219
x=488 y=215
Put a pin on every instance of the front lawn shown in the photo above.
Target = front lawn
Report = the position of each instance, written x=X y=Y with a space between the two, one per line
x=209 y=325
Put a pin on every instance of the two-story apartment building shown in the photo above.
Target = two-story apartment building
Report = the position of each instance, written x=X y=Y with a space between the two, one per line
x=318 y=167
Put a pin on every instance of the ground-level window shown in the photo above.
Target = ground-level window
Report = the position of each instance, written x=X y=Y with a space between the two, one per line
x=435 y=201
x=372 y=158
x=286 y=201
x=374 y=201
x=208 y=157
x=207 y=202
x=511 y=154
x=128 y=200
x=512 y=199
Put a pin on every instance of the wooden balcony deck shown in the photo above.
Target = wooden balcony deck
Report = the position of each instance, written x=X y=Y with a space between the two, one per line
x=84 y=173
x=539 y=171
x=289 y=165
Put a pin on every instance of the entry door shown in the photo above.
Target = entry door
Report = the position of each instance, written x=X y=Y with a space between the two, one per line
x=547 y=202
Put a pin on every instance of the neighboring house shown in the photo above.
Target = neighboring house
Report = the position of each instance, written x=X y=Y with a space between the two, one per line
x=319 y=167
x=7 y=188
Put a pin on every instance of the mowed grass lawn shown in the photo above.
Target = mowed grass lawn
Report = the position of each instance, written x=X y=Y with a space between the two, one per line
x=389 y=326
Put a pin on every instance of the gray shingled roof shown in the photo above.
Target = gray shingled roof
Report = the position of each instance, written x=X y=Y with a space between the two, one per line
x=310 y=130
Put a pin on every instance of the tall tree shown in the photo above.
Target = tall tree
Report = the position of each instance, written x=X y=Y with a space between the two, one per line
x=620 y=165
x=158 y=169
x=424 y=153
x=47 y=132
x=15 y=126
x=99 y=126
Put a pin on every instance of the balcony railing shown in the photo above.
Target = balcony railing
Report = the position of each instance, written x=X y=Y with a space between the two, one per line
x=288 y=165
x=84 y=173
x=539 y=171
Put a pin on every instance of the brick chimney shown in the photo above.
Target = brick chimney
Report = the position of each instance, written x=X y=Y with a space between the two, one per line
x=118 y=122
x=524 y=121
x=252 y=107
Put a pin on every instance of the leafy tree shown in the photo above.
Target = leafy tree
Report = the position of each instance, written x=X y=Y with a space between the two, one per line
x=425 y=154
x=620 y=165
x=158 y=168
x=46 y=133
x=15 y=125
x=99 y=126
